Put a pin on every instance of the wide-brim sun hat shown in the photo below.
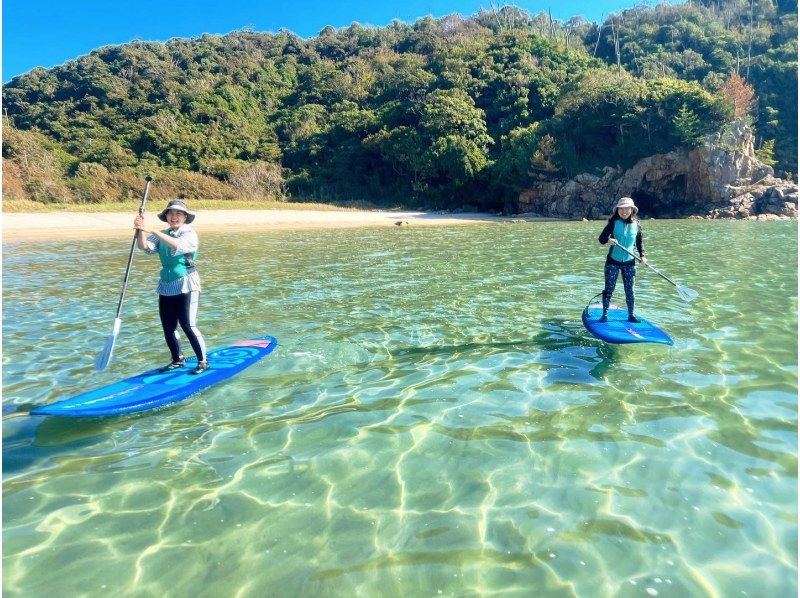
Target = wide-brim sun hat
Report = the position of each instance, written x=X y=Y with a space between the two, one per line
x=626 y=202
x=177 y=204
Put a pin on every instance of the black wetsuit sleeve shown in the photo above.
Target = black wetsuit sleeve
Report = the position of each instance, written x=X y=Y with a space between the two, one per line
x=604 y=236
x=639 y=243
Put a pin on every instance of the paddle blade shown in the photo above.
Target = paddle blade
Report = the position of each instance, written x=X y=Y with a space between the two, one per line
x=686 y=293
x=105 y=356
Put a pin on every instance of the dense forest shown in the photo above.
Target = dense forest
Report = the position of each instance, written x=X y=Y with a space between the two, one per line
x=439 y=113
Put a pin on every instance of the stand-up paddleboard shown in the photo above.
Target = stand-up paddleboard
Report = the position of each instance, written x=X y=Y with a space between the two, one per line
x=618 y=330
x=155 y=389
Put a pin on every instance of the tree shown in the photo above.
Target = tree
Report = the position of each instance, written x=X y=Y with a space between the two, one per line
x=739 y=95
x=766 y=153
x=687 y=126
x=603 y=120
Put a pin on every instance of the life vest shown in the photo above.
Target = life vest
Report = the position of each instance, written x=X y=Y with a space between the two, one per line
x=625 y=234
x=174 y=267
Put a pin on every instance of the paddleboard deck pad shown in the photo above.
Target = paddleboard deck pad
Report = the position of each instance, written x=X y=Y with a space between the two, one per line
x=155 y=389
x=618 y=330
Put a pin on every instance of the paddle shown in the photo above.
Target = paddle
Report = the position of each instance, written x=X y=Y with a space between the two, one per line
x=105 y=357
x=686 y=293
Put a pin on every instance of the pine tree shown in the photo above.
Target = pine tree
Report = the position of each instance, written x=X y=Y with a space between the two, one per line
x=766 y=153
x=687 y=125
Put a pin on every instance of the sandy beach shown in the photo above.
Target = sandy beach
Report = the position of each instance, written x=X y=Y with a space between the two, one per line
x=72 y=225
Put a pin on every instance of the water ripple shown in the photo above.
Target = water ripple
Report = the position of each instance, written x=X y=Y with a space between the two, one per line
x=434 y=421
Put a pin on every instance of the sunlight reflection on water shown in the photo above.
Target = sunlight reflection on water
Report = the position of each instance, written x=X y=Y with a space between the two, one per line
x=435 y=419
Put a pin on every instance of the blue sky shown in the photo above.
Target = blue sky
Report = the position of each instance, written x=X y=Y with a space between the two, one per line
x=50 y=32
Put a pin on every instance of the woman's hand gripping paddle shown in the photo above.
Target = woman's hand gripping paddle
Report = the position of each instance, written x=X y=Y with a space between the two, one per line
x=105 y=357
x=686 y=293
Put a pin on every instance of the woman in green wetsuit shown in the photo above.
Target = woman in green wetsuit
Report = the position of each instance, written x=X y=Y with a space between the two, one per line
x=179 y=284
x=622 y=230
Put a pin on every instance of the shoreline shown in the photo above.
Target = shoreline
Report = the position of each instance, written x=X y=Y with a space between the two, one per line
x=39 y=226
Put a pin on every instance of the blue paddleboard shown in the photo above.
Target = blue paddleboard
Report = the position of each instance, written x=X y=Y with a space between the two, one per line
x=618 y=330
x=154 y=389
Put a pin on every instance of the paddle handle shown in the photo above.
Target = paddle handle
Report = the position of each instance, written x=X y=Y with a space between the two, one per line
x=148 y=180
x=636 y=257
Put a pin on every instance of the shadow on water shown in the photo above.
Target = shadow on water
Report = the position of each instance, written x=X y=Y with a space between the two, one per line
x=31 y=439
x=565 y=349
x=570 y=355
x=562 y=349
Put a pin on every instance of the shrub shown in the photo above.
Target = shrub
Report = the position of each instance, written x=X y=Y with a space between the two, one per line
x=260 y=180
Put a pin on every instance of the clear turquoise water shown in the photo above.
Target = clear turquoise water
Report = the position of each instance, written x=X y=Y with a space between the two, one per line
x=435 y=420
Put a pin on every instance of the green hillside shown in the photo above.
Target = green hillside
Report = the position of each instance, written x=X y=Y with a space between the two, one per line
x=439 y=113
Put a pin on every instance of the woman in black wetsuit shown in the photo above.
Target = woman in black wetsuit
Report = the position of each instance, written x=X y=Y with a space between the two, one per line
x=622 y=230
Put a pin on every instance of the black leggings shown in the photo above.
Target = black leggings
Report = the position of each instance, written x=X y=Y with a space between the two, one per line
x=181 y=309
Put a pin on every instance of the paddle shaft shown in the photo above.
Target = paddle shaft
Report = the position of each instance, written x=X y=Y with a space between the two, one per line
x=634 y=256
x=133 y=247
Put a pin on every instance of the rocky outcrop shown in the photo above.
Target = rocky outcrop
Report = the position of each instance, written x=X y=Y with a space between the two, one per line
x=720 y=179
